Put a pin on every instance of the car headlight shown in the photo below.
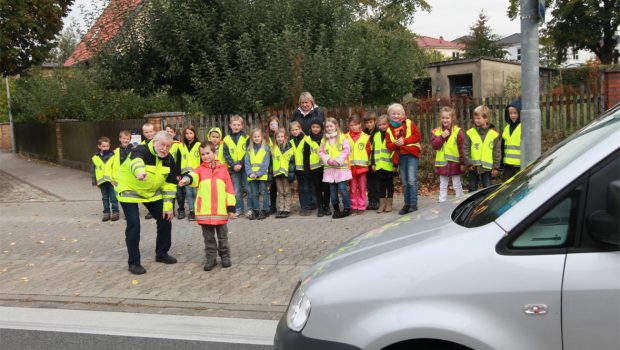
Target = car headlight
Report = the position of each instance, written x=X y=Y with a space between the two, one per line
x=298 y=311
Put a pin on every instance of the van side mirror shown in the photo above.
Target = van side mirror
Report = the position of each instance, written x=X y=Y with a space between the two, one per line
x=604 y=225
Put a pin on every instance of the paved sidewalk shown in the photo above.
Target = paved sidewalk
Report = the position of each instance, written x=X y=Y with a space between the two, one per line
x=55 y=252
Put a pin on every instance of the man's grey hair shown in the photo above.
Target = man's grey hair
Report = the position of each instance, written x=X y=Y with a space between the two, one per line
x=162 y=135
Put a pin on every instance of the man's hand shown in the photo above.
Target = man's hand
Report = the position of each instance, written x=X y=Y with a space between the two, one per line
x=168 y=215
x=141 y=176
x=237 y=167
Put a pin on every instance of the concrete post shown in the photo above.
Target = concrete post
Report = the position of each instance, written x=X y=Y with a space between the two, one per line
x=8 y=105
x=530 y=114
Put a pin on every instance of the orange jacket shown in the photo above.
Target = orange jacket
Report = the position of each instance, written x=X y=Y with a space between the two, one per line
x=215 y=197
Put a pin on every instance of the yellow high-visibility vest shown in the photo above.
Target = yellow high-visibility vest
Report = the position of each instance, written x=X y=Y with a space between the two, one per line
x=334 y=151
x=383 y=156
x=280 y=160
x=298 y=153
x=449 y=151
x=482 y=151
x=236 y=150
x=256 y=159
x=407 y=134
x=315 y=159
x=102 y=170
x=190 y=158
x=358 y=155
x=512 y=146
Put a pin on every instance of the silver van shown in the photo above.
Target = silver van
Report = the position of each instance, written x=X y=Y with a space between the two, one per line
x=533 y=263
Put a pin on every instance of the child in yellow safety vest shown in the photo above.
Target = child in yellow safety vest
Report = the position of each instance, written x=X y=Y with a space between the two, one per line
x=215 y=204
x=358 y=159
x=235 y=144
x=447 y=140
x=372 y=183
x=190 y=160
x=334 y=153
x=382 y=166
x=101 y=177
x=273 y=127
x=257 y=159
x=511 y=140
x=283 y=164
x=304 y=181
x=314 y=168
x=482 y=150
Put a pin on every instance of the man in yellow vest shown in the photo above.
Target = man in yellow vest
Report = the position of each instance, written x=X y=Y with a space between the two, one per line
x=148 y=176
x=102 y=178
x=511 y=140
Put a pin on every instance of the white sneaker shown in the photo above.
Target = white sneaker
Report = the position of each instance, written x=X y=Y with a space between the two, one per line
x=248 y=214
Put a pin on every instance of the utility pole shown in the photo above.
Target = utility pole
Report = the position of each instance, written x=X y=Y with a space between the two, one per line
x=531 y=13
x=8 y=105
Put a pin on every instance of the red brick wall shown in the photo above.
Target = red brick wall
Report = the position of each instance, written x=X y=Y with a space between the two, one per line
x=5 y=136
x=612 y=88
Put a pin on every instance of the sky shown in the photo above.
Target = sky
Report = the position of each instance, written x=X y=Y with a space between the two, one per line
x=448 y=18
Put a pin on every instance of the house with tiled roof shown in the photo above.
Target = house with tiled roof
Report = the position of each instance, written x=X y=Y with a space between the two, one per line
x=449 y=49
x=104 y=29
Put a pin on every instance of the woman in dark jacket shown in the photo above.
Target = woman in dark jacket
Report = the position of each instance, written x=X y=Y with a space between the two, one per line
x=307 y=112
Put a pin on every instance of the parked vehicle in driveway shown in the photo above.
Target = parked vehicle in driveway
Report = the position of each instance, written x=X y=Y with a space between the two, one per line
x=533 y=263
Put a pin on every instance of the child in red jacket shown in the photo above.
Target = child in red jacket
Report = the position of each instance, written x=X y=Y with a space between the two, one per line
x=215 y=204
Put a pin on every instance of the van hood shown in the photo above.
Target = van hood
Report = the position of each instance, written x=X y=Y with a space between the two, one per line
x=430 y=223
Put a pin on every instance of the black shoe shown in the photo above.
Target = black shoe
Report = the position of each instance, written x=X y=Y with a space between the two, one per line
x=210 y=264
x=327 y=211
x=148 y=216
x=346 y=212
x=278 y=215
x=305 y=212
x=105 y=217
x=272 y=210
x=404 y=210
x=262 y=215
x=191 y=216
x=253 y=216
x=137 y=269
x=286 y=214
x=166 y=259
x=413 y=208
x=181 y=214
x=320 y=212
x=226 y=261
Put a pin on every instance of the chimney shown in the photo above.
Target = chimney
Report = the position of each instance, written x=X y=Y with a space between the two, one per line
x=440 y=38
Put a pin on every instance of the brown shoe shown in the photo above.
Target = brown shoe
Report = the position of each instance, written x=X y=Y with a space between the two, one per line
x=105 y=217
x=382 y=202
x=114 y=217
x=388 y=204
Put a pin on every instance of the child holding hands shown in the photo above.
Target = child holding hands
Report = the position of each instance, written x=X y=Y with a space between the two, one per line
x=334 y=153
x=214 y=185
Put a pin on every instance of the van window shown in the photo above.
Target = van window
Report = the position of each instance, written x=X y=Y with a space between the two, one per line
x=552 y=229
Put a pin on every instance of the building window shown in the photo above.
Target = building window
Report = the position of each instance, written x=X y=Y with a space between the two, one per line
x=575 y=54
x=455 y=54
x=518 y=54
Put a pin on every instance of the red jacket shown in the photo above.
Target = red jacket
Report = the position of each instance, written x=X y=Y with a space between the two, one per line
x=215 y=197
x=412 y=143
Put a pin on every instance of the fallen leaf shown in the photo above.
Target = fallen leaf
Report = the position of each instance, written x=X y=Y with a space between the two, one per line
x=189 y=272
x=25 y=279
x=74 y=240
x=77 y=294
x=13 y=243
x=280 y=250
x=134 y=282
x=77 y=250
x=30 y=265
x=258 y=256
x=41 y=242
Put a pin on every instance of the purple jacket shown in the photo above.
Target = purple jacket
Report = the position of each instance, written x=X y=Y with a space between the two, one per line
x=452 y=168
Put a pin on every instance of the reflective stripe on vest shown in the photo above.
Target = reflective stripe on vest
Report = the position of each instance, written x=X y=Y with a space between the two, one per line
x=280 y=161
x=482 y=152
x=298 y=153
x=358 y=155
x=220 y=154
x=512 y=146
x=383 y=156
x=334 y=151
x=315 y=159
x=236 y=150
x=256 y=159
x=101 y=170
x=449 y=151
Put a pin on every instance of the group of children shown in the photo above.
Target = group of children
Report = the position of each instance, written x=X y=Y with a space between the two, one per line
x=358 y=166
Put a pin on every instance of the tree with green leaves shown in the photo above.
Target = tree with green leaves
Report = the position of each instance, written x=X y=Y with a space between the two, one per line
x=66 y=42
x=586 y=24
x=28 y=32
x=482 y=42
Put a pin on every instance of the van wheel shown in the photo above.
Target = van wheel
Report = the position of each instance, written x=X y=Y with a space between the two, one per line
x=426 y=344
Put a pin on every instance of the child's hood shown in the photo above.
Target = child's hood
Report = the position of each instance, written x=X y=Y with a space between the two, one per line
x=516 y=104
x=217 y=130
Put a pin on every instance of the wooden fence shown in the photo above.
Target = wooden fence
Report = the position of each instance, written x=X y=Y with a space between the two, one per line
x=558 y=112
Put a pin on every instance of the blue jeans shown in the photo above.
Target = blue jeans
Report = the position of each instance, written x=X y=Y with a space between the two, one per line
x=181 y=197
x=258 y=187
x=191 y=197
x=132 y=231
x=306 y=191
x=408 y=166
x=240 y=183
x=341 y=187
x=475 y=178
x=108 y=196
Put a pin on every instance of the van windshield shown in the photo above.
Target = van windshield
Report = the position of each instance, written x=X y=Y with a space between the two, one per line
x=486 y=206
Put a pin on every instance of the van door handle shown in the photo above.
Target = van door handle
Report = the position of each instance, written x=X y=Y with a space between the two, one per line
x=535 y=309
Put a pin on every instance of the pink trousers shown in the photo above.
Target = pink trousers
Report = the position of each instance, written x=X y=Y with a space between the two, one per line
x=358 y=192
